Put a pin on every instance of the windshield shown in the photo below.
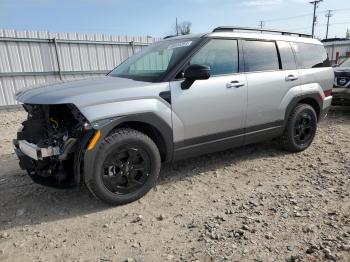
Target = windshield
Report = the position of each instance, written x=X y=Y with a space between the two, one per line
x=154 y=61
x=346 y=63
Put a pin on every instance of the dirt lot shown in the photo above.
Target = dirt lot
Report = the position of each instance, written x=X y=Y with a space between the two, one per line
x=249 y=204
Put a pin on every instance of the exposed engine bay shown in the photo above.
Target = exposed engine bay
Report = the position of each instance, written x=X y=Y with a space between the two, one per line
x=49 y=143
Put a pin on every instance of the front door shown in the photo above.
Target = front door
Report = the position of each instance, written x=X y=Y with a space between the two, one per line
x=214 y=109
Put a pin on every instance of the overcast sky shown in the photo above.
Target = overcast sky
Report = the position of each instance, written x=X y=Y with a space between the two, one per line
x=157 y=17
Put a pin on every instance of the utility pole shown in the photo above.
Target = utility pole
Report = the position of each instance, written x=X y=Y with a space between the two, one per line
x=261 y=24
x=315 y=3
x=177 y=28
x=328 y=15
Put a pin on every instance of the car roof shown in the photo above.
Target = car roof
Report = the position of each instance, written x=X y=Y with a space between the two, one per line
x=251 y=35
x=264 y=36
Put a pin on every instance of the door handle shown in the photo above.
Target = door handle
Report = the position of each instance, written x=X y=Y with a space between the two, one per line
x=235 y=84
x=291 y=78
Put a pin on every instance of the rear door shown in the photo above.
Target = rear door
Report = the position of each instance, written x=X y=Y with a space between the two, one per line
x=271 y=75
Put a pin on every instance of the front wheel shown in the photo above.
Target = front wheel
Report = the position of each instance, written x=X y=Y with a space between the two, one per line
x=300 y=129
x=126 y=168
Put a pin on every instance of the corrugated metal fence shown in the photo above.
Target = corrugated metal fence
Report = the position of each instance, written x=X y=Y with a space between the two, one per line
x=338 y=50
x=30 y=58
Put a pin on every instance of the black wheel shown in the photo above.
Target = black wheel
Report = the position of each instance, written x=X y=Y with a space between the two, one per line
x=127 y=167
x=300 y=129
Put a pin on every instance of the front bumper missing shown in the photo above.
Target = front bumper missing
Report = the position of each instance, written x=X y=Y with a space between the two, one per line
x=37 y=153
x=40 y=168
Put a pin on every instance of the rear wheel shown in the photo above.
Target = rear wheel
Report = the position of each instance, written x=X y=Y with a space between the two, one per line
x=127 y=167
x=300 y=129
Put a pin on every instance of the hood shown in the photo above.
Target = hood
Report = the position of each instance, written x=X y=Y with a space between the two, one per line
x=342 y=70
x=86 y=92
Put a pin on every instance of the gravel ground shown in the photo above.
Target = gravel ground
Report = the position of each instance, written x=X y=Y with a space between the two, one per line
x=255 y=203
x=9 y=124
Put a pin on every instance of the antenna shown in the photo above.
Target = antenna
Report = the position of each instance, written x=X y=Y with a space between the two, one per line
x=177 y=28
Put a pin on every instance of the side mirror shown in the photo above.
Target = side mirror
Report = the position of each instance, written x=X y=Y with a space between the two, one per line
x=197 y=72
x=193 y=73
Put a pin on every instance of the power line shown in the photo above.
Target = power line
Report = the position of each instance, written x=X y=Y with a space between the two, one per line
x=331 y=24
x=300 y=28
x=287 y=18
x=304 y=15
x=329 y=14
x=339 y=10
x=341 y=23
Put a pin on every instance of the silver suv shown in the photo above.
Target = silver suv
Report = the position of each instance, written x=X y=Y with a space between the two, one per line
x=177 y=98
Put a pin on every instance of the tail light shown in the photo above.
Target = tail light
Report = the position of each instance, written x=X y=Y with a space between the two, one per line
x=327 y=93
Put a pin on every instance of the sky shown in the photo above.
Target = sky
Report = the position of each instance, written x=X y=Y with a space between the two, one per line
x=157 y=17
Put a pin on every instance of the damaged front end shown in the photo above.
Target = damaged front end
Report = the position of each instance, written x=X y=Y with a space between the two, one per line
x=51 y=142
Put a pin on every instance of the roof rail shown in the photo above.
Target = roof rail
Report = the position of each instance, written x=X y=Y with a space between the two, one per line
x=233 y=28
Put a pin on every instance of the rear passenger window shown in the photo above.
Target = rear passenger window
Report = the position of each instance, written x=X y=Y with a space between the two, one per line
x=221 y=55
x=260 y=56
x=287 y=56
x=310 y=55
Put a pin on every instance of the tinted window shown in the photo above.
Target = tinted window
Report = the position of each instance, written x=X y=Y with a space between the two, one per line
x=287 y=56
x=310 y=55
x=260 y=56
x=220 y=54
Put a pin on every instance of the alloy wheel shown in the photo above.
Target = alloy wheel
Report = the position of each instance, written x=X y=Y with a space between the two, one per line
x=126 y=169
x=304 y=128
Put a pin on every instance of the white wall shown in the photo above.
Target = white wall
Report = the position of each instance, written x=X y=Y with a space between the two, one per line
x=342 y=47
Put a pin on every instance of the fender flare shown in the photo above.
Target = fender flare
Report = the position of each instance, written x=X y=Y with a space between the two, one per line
x=314 y=96
x=107 y=125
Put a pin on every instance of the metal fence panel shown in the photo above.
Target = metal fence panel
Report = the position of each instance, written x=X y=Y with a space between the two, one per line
x=337 y=50
x=29 y=58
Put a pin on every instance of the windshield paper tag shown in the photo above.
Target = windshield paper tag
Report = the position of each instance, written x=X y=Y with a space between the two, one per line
x=182 y=44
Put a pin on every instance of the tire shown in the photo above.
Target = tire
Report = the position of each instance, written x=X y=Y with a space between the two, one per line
x=303 y=119
x=127 y=167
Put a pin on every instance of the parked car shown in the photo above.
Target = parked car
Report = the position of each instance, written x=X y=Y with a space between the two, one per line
x=341 y=90
x=180 y=97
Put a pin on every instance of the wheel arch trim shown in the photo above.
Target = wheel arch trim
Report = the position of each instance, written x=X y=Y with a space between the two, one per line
x=106 y=126
x=315 y=97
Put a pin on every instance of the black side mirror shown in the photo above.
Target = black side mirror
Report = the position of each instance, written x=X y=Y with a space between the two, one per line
x=197 y=72
x=193 y=73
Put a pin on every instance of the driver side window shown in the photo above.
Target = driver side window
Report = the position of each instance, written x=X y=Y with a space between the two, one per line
x=221 y=55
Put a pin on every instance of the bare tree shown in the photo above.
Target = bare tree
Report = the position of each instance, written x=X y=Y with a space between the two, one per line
x=182 y=28
x=185 y=27
x=347 y=34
